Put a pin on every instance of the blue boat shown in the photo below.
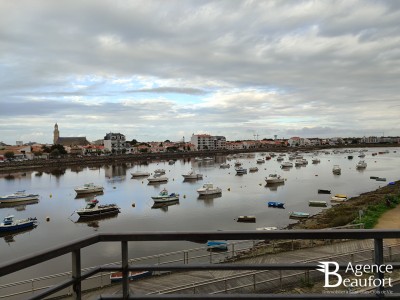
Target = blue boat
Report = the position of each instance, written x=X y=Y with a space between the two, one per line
x=217 y=245
x=276 y=204
x=9 y=224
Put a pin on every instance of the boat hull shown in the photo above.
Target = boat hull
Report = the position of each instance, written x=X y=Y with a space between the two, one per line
x=19 y=199
x=88 y=191
x=97 y=213
x=117 y=276
x=165 y=199
x=247 y=219
x=16 y=227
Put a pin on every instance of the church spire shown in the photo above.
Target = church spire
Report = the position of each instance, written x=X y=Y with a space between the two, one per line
x=56 y=134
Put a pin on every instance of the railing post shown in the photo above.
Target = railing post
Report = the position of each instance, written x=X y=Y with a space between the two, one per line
x=76 y=274
x=125 y=273
x=378 y=260
x=233 y=249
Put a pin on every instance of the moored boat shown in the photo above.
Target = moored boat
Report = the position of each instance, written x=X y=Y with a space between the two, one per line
x=159 y=171
x=93 y=209
x=321 y=191
x=209 y=189
x=267 y=228
x=240 y=171
x=157 y=178
x=117 y=276
x=298 y=215
x=253 y=169
x=274 y=178
x=246 y=219
x=336 y=170
x=9 y=224
x=260 y=161
x=339 y=198
x=316 y=160
x=361 y=165
x=217 y=245
x=165 y=197
x=276 y=204
x=192 y=175
x=18 y=196
x=140 y=174
x=317 y=203
x=286 y=164
x=224 y=166
x=88 y=188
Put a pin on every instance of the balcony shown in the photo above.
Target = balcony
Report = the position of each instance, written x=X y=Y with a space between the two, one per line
x=77 y=277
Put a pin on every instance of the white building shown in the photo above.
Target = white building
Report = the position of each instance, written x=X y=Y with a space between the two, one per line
x=116 y=143
x=298 y=142
x=208 y=142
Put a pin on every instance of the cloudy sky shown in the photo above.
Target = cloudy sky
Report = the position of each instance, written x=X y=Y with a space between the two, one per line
x=156 y=70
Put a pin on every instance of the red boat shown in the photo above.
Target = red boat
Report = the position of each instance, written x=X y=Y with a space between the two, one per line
x=117 y=276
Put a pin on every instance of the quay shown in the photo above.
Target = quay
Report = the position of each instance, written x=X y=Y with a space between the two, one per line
x=261 y=275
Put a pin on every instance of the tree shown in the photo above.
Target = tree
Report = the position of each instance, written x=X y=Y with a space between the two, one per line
x=60 y=148
x=37 y=153
x=55 y=153
x=167 y=141
x=133 y=142
x=9 y=155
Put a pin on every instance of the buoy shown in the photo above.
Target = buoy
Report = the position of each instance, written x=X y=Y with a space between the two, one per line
x=229 y=189
x=173 y=179
x=47 y=219
x=316 y=174
x=114 y=187
x=133 y=204
x=260 y=184
x=184 y=196
x=51 y=195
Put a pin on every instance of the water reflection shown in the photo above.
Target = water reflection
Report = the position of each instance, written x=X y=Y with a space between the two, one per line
x=56 y=172
x=208 y=200
x=274 y=186
x=89 y=197
x=164 y=206
x=94 y=222
x=18 y=205
x=9 y=236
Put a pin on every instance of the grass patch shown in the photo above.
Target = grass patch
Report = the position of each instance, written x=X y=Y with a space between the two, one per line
x=374 y=212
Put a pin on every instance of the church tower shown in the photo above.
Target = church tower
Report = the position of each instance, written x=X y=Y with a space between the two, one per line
x=56 y=134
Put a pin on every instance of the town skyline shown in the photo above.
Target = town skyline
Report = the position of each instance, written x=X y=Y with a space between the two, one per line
x=158 y=70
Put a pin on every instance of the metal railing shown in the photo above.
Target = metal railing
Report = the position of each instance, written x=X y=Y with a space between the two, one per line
x=77 y=276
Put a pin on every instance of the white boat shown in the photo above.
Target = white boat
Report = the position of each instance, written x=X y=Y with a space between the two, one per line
x=240 y=171
x=361 y=165
x=140 y=174
x=260 y=161
x=159 y=171
x=279 y=158
x=208 y=158
x=93 y=209
x=209 y=189
x=198 y=159
x=18 y=197
x=165 y=197
x=274 y=178
x=362 y=155
x=157 y=178
x=298 y=215
x=316 y=160
x=267 y=228
x=336 y=170
x=253 y=169
x=286 y=164
x=88 y=188
x=299 y=162
x=339 y=198
x=192 y=175
x=224 y=166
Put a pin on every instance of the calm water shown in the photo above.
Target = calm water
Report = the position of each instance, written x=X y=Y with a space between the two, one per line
x=248 y=195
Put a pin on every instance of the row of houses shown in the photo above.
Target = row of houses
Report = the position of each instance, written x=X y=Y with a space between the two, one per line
x=116 y=143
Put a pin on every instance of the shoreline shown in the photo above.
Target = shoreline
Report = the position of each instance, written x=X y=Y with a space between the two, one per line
x=350 y=208
x=40 y=164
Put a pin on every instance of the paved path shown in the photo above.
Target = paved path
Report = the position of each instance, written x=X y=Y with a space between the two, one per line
x=213 y=281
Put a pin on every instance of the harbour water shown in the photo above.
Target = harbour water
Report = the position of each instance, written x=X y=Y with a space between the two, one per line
x=241 y=195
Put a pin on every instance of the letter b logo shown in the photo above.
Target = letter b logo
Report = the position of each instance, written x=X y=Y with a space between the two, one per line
x=324 y=265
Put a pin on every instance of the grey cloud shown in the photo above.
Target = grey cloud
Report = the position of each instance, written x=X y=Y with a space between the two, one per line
x=172 y=90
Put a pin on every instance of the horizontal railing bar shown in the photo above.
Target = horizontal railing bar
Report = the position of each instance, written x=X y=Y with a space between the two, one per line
x=252 y=296
x=36 y=258
x=39 y=257
x=229 y=267
x=252 y=235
